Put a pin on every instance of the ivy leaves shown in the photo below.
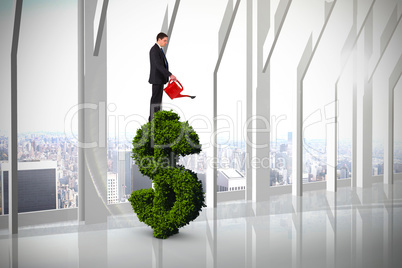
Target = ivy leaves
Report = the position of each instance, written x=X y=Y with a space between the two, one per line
x=177 y=197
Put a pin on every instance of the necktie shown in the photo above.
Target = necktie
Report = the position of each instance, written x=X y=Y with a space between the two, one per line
x=166 y=63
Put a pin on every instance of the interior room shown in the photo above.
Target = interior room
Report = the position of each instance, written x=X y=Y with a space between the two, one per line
x=296 y=113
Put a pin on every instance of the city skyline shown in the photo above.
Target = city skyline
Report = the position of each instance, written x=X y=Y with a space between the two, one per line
x=56 y=146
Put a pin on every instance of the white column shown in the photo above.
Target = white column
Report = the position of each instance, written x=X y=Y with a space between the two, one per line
x=81 y=99
x=332 y=145
x=92 y=115
x=389 y=129
x=262 y=118
x=13 y=150
x=389 y=138
x=357 y=78
x=365 y=108
x=353 y=182
x=364 y=137
x=249 y=99
x=297 y=154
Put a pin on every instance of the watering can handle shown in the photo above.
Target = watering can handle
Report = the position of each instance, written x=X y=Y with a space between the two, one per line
x=171 y=81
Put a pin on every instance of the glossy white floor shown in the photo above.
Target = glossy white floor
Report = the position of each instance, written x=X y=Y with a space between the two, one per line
x=353 y=228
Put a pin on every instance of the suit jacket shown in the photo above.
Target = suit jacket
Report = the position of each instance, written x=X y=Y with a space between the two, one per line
x=159 y=74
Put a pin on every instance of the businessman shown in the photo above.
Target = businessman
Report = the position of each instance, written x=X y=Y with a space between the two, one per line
x=159 y=73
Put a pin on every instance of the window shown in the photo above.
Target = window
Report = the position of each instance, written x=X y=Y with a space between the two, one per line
x=47 y=92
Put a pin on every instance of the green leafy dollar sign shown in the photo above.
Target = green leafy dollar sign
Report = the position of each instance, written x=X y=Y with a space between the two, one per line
x=177 y=196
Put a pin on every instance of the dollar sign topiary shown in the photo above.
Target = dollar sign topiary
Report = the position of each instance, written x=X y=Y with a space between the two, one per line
x=177 y=197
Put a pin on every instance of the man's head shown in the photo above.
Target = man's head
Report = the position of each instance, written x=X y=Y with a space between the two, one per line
x=161 y=39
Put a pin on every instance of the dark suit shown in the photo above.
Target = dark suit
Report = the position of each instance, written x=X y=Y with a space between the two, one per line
x=158 y=76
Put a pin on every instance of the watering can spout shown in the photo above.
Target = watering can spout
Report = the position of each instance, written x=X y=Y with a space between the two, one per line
x=174 y=88
x=181 y=96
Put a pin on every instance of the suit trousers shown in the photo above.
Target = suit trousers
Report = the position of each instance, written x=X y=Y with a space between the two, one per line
x=156 y=100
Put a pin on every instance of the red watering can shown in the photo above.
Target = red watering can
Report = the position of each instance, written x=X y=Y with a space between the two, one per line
x=174 y=88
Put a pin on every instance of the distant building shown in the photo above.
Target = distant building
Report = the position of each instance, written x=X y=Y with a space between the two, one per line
x=112 y=188
x=283 y=147
x=142 y=182
x=36 y=185
x=230 y=180
x=344 y=172
x=203 y=178
x=380 y=169
x=124 y=170
x=138 y=180
x=122 y=163
x=397 y=168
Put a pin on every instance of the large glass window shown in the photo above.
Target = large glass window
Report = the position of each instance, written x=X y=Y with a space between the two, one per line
x=47 y=92
x=232 y=105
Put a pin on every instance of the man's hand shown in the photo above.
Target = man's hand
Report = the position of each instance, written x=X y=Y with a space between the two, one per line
x=172 y=77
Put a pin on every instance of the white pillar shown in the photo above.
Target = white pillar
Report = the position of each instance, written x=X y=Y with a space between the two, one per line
x=81 y=99
x=353 y=182
x=389 y=129
x=13 y=150
x=332 y=145
x=92 y=115
x=261 y=179
x=364 y=137
x=249 y=99
x=297 y=162
x=357 y=78
x=365 y=108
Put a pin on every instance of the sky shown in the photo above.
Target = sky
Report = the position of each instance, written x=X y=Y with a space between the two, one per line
x=47 y=61
x=47 y=64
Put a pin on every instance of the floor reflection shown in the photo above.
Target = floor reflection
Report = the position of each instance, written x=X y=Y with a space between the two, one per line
x=350 y=228
x=157 y=253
